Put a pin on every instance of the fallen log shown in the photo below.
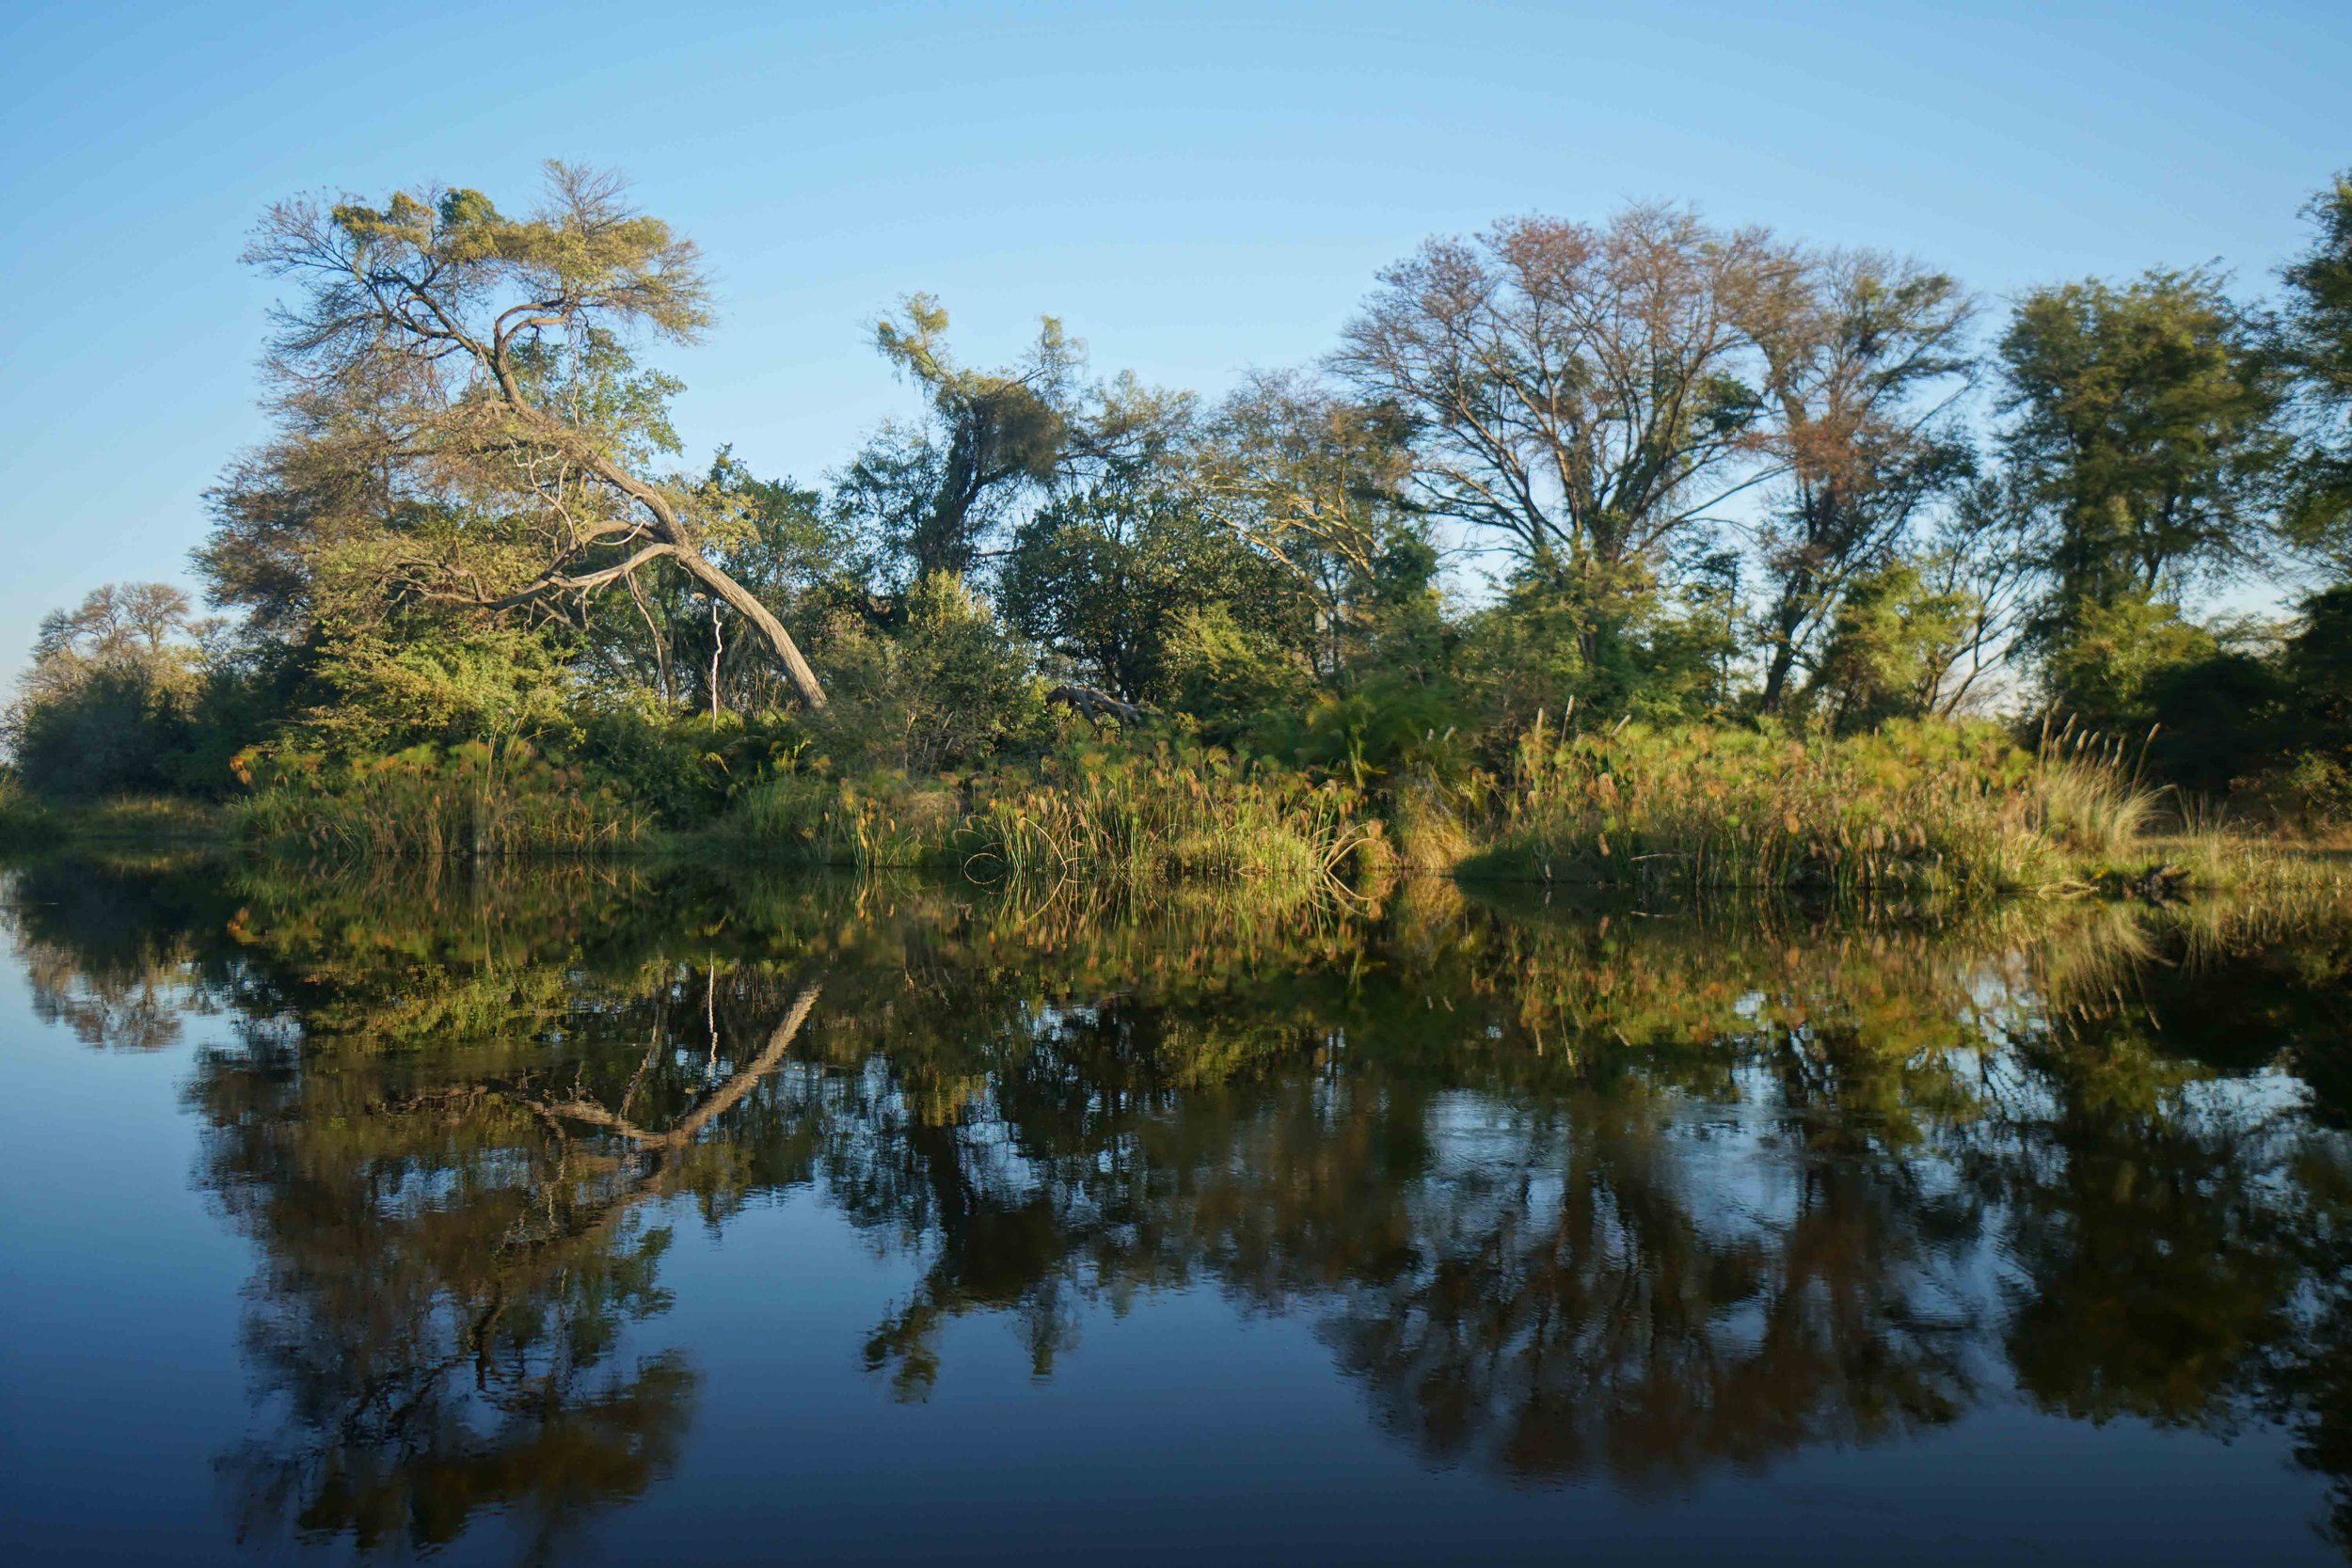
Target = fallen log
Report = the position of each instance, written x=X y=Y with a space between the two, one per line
x=1095 y=707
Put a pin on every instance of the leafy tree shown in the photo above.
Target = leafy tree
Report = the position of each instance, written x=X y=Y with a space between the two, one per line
x=1894 y=638
x=685 y=646
x=937 y=493
x=1228 y=674
x=1982 y=552
x=1529 y=652
x=461 y=422
x=1864 y=355
x=1317 y=484
x=934 y=490
x=1100 y=579
x=1582 y=392
x=2315 y=680
x=946 y=688
x=110 y=704
x=2144 y=419
x=2317 y=343
x=2118 y=653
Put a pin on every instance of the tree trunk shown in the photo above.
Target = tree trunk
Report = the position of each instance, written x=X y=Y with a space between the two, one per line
x=667 y=528
x=1786 y=617
x=795 y=669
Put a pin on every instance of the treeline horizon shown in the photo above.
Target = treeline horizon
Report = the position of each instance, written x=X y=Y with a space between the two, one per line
x=1730 y=478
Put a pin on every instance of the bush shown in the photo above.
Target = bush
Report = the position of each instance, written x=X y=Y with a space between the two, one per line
x=948 y=689
x=873 y=821
x=113 y=732
x=1230 y=676
x=684 y=768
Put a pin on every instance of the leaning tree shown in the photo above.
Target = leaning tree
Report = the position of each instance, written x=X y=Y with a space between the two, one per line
x=462 y=424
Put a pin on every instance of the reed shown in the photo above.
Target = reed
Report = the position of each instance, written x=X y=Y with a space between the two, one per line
x=1169 y=812
x=478 y=800
x=1917 y=808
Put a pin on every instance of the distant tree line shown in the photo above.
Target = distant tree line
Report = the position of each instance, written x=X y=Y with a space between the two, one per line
x=1647 y=466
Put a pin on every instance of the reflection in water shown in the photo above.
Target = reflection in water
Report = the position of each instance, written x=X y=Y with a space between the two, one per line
x=1568 y=1194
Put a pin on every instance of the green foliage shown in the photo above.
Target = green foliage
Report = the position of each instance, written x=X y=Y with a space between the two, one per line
x=1889 y=644
x=2118 y=657
x=946 y=688
x=1103 y=577
x=409 y=686
x=1545 y=646
x=933 y=490
x=469 y=528
x=1228 y=675
x=2316 y=664
x=115 y=732
x=1315 y=486
x=2144 y=419
x=682 y=769
x=2317 y=348
x=123 y=698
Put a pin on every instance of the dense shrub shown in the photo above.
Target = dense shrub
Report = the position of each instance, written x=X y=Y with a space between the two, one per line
x=949 y=688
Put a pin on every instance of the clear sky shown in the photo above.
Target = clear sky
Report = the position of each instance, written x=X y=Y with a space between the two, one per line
x=1195 y=188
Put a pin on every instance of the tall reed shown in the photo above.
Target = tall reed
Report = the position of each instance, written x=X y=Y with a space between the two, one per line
x=1169 y=813
x=1913 y=807
x=1164 y=813
x=480 y=800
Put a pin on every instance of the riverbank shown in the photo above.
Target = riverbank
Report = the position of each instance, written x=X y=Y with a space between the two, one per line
x=1932 y=812
x=132 y=823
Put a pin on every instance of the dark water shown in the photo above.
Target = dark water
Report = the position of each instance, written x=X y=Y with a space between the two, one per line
x=580 y=1218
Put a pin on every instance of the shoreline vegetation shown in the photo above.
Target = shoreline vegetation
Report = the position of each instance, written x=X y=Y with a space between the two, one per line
x=1637 y=552
x=1921 y=813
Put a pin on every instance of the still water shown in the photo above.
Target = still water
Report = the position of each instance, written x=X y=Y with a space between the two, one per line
x=589 y=1217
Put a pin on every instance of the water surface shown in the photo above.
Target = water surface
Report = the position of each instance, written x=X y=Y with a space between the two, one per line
x=613 y=1217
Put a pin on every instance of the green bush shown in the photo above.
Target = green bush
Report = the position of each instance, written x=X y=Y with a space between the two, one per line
x=945 y=690
x=683 y=769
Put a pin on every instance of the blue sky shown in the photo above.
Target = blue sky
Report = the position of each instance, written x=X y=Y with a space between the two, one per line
x=1195 y=188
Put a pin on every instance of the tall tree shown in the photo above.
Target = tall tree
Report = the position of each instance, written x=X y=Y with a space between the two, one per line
x=775 y=538
x=460 y=418
x=940 y=491
x=106 y=704
x=1103 y=577
x=934 y=490
x=2144 y=418
x=1581 y=391
x=2318 y=351
x=1316 y=483
x=1864 y=355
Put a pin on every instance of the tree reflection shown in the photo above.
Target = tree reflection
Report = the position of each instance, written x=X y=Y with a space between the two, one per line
x=1570 y=1194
